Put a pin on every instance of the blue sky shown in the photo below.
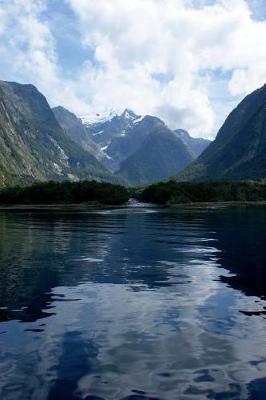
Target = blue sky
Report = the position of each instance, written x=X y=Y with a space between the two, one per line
x=187 y=61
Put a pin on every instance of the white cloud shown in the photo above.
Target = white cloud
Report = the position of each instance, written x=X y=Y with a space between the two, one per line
x=155 y=56
x=139 y=39
x=27 y=45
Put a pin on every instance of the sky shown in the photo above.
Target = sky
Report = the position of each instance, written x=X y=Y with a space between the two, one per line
x=188 y=62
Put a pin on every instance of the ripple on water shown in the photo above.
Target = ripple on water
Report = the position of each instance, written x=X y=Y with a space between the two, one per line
x=133 y=303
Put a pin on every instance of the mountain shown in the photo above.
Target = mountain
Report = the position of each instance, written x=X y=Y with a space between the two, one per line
x=75 y=129
x=160 y=156
x=121 y=135
x=239 y=150
x=112 y=136
x=195 y=145
x=105 y=130
x=123 y=146
x=143 y=149
x=33 y=144
x=140 y=149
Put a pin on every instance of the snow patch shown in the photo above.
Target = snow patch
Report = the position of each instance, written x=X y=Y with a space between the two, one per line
x=127 y=115
x=101 y=117
x=62 y=155
x=90 y=119
x=97 y=133
x=137 y=120
x=103 y=149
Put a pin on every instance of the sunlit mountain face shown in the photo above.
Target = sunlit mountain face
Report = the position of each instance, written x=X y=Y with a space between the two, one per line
x=34 y=147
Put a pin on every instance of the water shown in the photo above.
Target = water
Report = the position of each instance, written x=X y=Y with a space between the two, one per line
x=133 y=303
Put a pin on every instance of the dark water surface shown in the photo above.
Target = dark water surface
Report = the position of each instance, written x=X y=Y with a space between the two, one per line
x=133 y=303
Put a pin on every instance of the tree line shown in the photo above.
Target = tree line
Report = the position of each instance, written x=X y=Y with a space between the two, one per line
x=66 y=192
x=173 y=192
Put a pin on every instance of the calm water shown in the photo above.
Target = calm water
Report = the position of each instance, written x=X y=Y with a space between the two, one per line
x=134 y=303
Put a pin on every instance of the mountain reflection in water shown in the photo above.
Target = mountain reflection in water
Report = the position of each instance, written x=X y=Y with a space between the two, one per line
x=133 y=303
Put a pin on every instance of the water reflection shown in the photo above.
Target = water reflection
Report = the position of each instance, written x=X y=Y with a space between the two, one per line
x=130 y=304
x=241 y=234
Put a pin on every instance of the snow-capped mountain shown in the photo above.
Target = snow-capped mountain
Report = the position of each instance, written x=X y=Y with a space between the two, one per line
x=94 y=118
x=105 y=129
x=111 y=134
x=142 y=149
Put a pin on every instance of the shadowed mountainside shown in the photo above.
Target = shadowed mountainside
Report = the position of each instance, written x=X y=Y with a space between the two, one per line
x=239 y=150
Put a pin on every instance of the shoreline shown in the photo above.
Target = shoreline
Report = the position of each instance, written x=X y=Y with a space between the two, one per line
x=208 y=204
x=94 y=205
x=54 y=206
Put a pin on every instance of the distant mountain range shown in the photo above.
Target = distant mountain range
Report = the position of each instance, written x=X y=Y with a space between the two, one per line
x=40 y=143
x=141 y=149
x=157 y=157
x=195 y=146
x=239 y=150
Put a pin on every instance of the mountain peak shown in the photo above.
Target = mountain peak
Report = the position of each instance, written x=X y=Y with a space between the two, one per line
x=128 y=114
x=182 y=133
x=60 y=108
x=98 y=118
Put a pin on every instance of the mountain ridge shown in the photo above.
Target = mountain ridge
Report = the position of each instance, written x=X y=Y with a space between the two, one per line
x=161 y=154
x=238 y=152
x=195 y=145
x=33 y=144
x=40 y=143
x=121 y=136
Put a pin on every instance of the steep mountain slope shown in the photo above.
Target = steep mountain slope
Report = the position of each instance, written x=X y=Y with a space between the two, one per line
x=76 y=130
x=121 y=147
x=143 y=149
x=33 y=145
x=111 y=135
x=124 y=145
x=121 y=135
x=195 y=145
x=239 y=150
x=160 y=156
x=105 y=130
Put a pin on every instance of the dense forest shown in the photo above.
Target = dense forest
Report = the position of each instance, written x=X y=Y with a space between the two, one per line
x=173 y=192
x=66 y=192
x=164 y=193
